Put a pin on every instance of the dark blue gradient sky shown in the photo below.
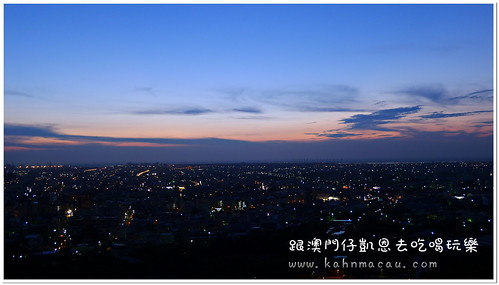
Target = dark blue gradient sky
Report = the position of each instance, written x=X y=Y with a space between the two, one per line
x=230 y=83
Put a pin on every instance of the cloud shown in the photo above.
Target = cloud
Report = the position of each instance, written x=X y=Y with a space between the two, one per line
x=248 y=110
x=413 y=132
x=187 y=111
x=37 y=135
x=329 y=109
x=429 y=146
x=485 y=94
x=254 y=118
x=339 y=135
x=482 y=125
x=195 y=111
x=16 y=93
x=374 y=120
x=439 y=115
x=480 y=92
x=30 y=130
x=323 y=98
x=435 y=93
x=323 y=93
x=232 y=93
x=22 y=148
x=439 y=94
x=320 y=98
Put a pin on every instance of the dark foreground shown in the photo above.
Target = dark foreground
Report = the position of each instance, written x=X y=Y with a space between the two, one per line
x=250 y=221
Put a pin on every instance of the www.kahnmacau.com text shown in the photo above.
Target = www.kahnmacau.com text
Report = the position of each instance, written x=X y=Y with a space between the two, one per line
x=343 y=264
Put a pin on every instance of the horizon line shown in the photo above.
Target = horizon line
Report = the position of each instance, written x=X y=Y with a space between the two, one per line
x=339 y=161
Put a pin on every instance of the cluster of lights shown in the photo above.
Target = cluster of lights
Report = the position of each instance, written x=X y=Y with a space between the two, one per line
x=40 y=166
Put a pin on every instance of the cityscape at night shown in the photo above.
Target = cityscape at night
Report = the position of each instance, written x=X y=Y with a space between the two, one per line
x=249 y=141
x=241 y=220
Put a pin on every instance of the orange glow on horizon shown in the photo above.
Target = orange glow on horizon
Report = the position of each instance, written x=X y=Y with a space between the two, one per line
x=48 y=141
x=143 y=144
x=21 y=148
x=56 y=141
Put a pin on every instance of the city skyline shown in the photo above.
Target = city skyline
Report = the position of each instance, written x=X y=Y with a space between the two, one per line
x=233 y=83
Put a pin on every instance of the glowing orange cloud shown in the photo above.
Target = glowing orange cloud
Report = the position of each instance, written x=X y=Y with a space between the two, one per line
x=48 y=141
x=16 y=148
x=56 y=141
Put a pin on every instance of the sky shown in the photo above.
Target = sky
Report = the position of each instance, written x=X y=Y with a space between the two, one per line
x=247 y=83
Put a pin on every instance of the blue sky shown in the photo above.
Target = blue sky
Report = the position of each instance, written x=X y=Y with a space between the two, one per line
x=202 y=83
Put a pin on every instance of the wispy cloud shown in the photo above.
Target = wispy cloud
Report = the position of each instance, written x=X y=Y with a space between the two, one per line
x=23 y=148
x=374 y=120
x=322 y=98
x=41 y=135
x=439 y=115
x=248 y=110
x=332 y=93
x=330 y=109
x=186 y=111
x=412 y=132
x=434 y=93
x=485 y=94
x=16 y=93
x=254 y=118
x=437 y=93
x=319 y=98
x=482 y=125
x=486 y=91
x=196 y=111
x=339 y=135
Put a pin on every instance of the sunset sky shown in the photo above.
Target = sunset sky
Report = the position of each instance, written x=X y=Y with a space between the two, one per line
x=232 y=83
